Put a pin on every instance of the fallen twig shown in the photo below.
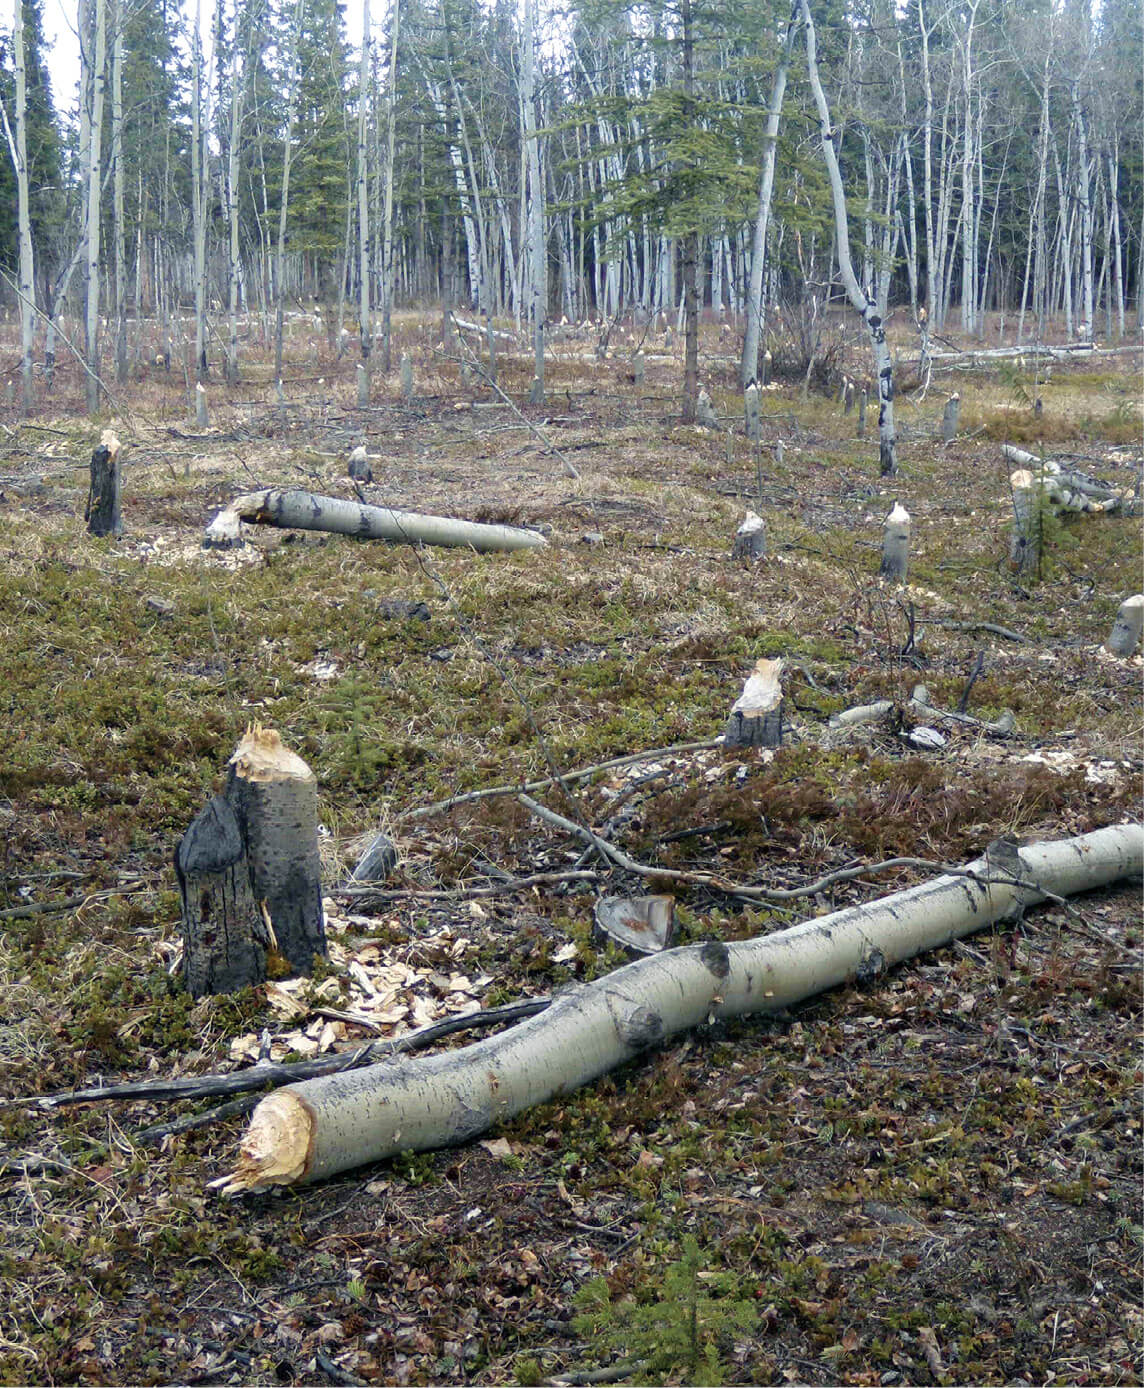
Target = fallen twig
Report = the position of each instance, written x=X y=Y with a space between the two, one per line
x=570 y=469
x=615 y=1373
x=469 y=797
x=273 y=1075
x=356 y=891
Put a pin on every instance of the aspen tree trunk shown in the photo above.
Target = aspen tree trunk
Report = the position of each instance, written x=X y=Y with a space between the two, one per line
x=537 y=259
x=118 y=218
x=690 y=243
x=968 y=202
x=287 y=147
x=1036 y=244
x=875 y=325
x=1084 y=193
x=237 y=82
x=198 y=199
x=364 y=325
x=27 y=256
x=927 y=166
x=1116 y=248
x=749 y=367
x=98 y=87
x=387 y=263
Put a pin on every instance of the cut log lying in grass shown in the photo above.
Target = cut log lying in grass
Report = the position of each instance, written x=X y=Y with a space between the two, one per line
x=313 y=1130
x=298 y=510
x=1065 y=488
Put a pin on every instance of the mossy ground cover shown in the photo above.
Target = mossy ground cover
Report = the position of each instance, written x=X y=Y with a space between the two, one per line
x=934 y=1178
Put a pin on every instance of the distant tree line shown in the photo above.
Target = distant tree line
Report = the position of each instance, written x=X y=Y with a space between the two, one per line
x=593 y=160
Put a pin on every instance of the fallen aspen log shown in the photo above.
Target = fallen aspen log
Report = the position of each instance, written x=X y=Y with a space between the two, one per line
x=1065 y=488
x=313 y=1130
x=298 y=510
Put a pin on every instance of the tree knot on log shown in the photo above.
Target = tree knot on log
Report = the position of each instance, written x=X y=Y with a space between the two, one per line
x=716 y=959
x=637 y=1025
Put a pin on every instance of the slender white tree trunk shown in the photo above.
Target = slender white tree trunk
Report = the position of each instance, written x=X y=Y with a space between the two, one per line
x=867 y=309
x=752 y=340
x=1084 y=196
x=927 y=166
x=98 y=87
x=19 y=151
x=287 y=147
x=237 y=85
x=364 y=326
x=968 y=201
x=537 y=259
x=118 y=218
x=198 y=199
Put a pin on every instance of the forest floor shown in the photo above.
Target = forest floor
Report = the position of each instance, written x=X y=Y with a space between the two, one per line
x=931 y=1178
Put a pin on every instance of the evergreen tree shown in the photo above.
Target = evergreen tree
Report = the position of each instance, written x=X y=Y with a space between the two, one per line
x=47 y=202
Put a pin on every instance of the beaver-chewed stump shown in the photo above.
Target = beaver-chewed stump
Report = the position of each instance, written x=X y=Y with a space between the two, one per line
x=250 y=874
x=757 y=715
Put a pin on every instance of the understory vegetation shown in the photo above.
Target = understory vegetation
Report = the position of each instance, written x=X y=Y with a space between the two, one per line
x=933 y=1177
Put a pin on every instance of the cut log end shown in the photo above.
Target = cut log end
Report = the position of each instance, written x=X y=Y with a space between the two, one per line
x=262 y=756
x=277 y=1149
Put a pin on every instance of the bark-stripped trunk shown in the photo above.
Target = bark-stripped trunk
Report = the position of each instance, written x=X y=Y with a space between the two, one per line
x=875 y=325
x=312 y=1130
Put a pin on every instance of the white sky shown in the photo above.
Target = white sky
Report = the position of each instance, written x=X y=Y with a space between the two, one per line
x=63 y=59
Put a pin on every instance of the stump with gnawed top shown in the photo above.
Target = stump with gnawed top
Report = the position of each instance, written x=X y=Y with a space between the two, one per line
x=250 y=874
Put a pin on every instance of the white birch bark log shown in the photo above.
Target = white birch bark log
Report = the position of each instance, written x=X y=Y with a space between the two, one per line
x=298 y=510
x=309 y=1131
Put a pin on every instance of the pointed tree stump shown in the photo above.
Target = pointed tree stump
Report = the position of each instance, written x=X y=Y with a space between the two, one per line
x=249 y=872
x=757 y=715
x=750 y=538
x=896 y=544
x=1129 y=624
x=102 y=513
x=274 y=795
